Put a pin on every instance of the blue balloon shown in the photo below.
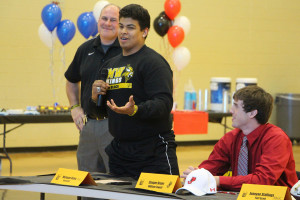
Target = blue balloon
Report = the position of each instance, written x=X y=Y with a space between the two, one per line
x=95 y=32
x=86 y=24
x=51 y=16
x=65 y=31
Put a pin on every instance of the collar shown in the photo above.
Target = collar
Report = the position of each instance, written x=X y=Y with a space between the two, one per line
x=134 y=54
x=254 y=135
x=97 y=42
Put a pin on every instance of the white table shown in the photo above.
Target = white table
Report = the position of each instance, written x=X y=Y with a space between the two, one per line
x=80 y=191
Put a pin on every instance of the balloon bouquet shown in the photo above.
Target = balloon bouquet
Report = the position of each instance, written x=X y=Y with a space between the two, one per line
x=53 y=28
x=64 y=30
x=176 y=28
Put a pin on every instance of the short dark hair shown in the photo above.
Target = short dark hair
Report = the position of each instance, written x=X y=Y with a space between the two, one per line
x=255 y=98
x=136 y=12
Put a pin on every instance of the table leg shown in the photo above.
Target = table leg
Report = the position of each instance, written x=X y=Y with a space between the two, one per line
x=4 y=149
x=42 y=196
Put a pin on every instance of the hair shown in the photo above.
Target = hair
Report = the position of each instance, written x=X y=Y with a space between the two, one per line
x=255 y=98
x=136 y=12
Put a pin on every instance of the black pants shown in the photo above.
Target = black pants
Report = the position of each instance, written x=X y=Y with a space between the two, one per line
x=153 y=155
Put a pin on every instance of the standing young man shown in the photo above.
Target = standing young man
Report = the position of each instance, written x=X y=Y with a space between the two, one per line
x=139 y=91
x=94 y=135
x=256 y=151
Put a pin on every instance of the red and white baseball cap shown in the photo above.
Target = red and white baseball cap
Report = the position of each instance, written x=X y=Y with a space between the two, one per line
x=295 y=191
x=199 y=182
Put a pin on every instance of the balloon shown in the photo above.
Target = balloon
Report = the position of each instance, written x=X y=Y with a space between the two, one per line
x=175 y=35
x=98 y=7
x=46 y=36
x=181 y=57
x=163 y=13
x=162 y=24
x=51 y=16
x=65 y=31
x=172 y=8
x=86 y=24
x=95 y=31
x=184 y=23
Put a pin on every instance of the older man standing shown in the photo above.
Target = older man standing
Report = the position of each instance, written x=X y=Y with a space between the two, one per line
x=93 y=127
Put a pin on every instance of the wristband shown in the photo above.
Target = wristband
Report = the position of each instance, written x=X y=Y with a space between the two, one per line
x=134 y=111
x=75 y=106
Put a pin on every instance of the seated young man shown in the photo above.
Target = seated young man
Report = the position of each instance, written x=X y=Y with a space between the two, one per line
x=256 y=151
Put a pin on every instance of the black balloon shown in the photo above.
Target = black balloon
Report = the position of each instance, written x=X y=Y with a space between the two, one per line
x=163 y=14
x=162 y=24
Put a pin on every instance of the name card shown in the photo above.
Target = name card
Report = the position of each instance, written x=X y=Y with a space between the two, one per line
x=72 y=177
x=264 y=192
x=159 y=182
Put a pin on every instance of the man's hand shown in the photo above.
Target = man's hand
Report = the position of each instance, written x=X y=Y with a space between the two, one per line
x=78 y=117
x=99 y=87
x=217 y=178
x=188 y=171
x=128 y=109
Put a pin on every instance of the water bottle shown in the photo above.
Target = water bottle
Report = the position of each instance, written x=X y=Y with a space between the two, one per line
x=190 y=96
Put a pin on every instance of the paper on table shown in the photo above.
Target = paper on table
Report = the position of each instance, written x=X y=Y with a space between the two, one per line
x=113 y=181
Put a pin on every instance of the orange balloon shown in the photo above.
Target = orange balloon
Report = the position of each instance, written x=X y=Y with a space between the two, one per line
x=175 y=35
x=172 y=8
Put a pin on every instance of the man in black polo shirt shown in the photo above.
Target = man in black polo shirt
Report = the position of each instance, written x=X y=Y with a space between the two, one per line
x=88 y=60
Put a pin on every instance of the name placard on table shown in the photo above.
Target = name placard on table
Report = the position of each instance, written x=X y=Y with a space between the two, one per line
x=159 y=182
x=264 y=192
x=72 y=177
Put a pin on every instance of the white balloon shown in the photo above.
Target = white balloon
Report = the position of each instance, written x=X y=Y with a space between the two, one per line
x=98 y=7
x=184 y=23
x=46 y=36
x=181 y=57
